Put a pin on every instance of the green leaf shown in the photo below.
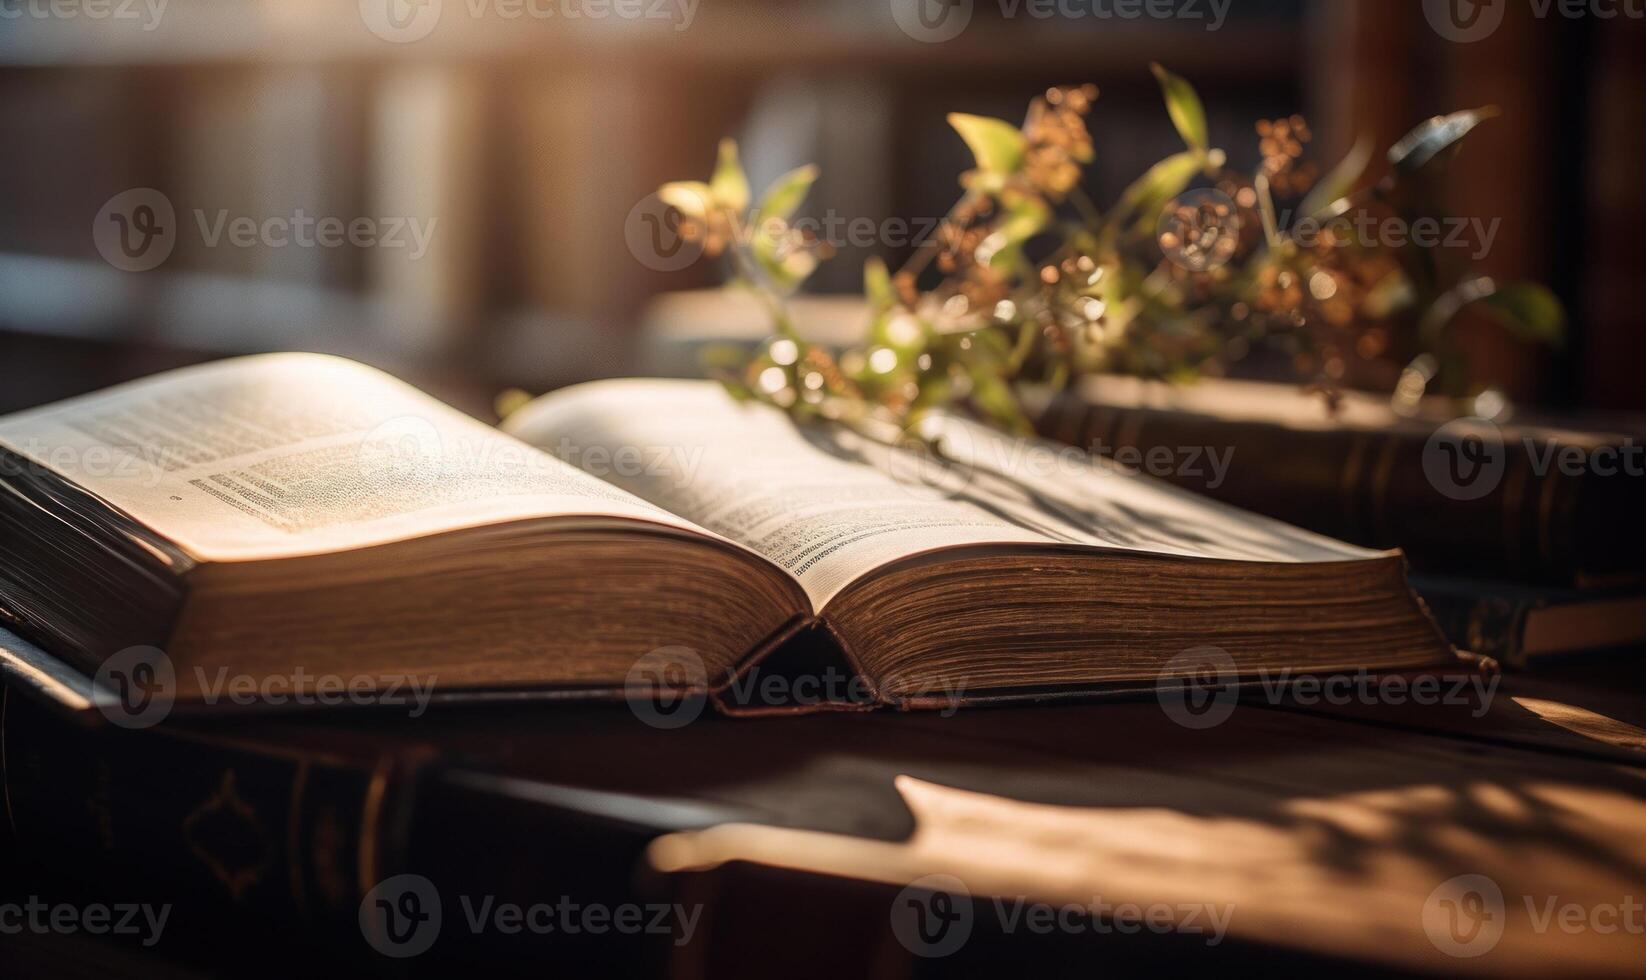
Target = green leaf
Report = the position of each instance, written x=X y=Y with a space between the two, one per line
x=785 y=267
x=729 y=187
x=998 y=146
x=994 y=396
x=1024 y=219
x=1266 y=208
x=691 y=197
x=510 y=401
x=1389 y=296
x=786 y=193
x=1184 y=106
x=1529 y=311
x=1433 y=137
x=739 y=391
x=724 y=357
x=1336 y=185
x=1151 y=192
x=877 y=286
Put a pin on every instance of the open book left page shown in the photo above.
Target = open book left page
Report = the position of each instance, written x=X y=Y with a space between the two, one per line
x=295 y=454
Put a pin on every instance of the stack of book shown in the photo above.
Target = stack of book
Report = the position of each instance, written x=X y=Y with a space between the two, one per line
x=1524 y=537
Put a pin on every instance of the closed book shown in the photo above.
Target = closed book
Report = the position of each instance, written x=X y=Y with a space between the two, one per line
x=1555 y=503
x=1518 y=625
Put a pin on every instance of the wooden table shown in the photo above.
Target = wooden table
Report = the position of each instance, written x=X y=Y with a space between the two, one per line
x=1367 y=838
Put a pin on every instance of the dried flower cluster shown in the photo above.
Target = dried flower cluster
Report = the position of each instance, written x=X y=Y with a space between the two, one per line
x=1190 y=271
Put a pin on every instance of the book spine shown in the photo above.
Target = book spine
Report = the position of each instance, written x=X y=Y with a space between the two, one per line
x=1369 y=487
x=215 y=828
x=1491 y=627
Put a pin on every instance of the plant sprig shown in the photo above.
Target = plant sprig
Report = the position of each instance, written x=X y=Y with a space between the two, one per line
x=1192 y=269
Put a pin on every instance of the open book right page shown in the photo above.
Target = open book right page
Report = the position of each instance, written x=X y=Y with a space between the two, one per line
x=830 y=505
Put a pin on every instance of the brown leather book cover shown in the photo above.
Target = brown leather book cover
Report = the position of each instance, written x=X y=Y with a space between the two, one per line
x=1552 y=504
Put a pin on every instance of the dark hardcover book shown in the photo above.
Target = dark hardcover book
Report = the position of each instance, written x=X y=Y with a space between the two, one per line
x=795 y=851
x=1539 y=503
x=1518 y=624
x=361 y=844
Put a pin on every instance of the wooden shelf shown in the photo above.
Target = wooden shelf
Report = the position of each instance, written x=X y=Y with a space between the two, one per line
x=193 y=32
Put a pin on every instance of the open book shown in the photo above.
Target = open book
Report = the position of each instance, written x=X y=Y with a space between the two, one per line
x=300 y=515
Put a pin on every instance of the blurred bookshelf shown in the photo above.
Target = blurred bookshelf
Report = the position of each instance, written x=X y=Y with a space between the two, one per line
x=530 y=139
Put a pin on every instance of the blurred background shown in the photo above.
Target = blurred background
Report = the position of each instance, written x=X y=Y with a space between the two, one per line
x=520 y=135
